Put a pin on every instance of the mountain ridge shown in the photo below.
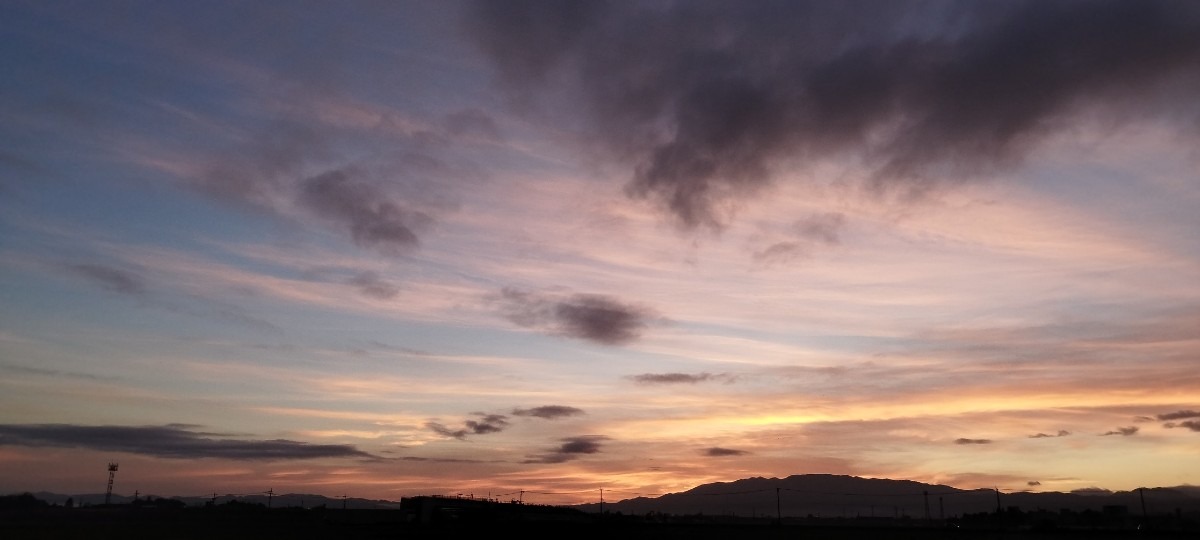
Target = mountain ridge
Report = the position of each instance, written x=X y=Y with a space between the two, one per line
x=831 y=495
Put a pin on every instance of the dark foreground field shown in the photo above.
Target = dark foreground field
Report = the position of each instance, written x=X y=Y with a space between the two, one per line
x=297 y=524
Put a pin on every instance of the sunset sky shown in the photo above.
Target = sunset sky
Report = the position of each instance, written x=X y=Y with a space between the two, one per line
x=395 y=248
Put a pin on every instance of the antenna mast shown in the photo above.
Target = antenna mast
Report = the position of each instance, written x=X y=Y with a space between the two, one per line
x=112 y=473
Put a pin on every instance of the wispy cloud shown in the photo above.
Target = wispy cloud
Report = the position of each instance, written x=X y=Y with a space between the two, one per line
x=110 y=277
x=373 y=219
x=676 y=378
x=803 y=236
x=717 y=451
x=486 y=424
x=172 y=441
x=1193 y=425
x=1122 y=431
x=549 y=412
x=1061 y=433
x=972 y=441
x=570 y=449
x=1178 y=415
x=371 y=284
x=591 y=317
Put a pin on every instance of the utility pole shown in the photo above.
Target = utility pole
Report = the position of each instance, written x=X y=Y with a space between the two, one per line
x=601 y=503
x=941 y=509
x=270 y=495
x=1142 y=495
x=778 y=511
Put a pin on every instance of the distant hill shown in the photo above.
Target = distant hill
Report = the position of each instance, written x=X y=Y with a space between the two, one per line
x=825 y=495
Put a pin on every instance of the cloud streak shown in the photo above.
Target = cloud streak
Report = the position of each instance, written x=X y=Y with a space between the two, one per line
x=572 y=448
x=1122 y=431
x=1061 y=433
x=549 y=412
x=591 y=317
x=111 y=278
x=170 y=441
x=675 y=378
x=485 y=425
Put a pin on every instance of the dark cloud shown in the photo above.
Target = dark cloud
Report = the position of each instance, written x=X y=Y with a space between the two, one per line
x=1061 y=433
x=674 y=378
x=113 y=279
x=1032 y=483
x=1178 y=415
x=1122 y=431
x=972 y=441
x=468 y=122
x=570 y=449
x=597 y=318
x=486 y=424
x=370 y=284
x=707 y=98
x=439 y=460
x=374 y=220
x=175 y=441
x=549 y=412
x=717 y=451
x=1193 y=425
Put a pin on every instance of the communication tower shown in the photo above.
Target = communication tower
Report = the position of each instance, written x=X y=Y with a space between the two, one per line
x=112 y=473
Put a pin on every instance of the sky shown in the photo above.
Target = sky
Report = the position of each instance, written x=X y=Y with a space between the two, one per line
x=540 y=249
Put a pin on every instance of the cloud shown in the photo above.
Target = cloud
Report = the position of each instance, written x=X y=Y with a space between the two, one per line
x=972 y=441
x=174 y=441
x=717 y=451
x=373 y=219
x=823 y=228
x=674 y=378
x=1061 y=433
x=487 y=423
x=570 y=449
x=1178 y=415
x=370 y=284
x=1032 y=483
x=596 y=318
x=549 y=412
x=1193 y=425
x=113 y=279
x=1122 y=431
x=467 y=122
x=819 y=229
x=708 y=99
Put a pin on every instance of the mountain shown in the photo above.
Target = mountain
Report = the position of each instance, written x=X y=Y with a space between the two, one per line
x=825 y=495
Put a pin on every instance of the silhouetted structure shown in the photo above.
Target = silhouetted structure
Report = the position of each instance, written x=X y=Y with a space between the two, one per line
x=440 y=509
x=112 y=473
